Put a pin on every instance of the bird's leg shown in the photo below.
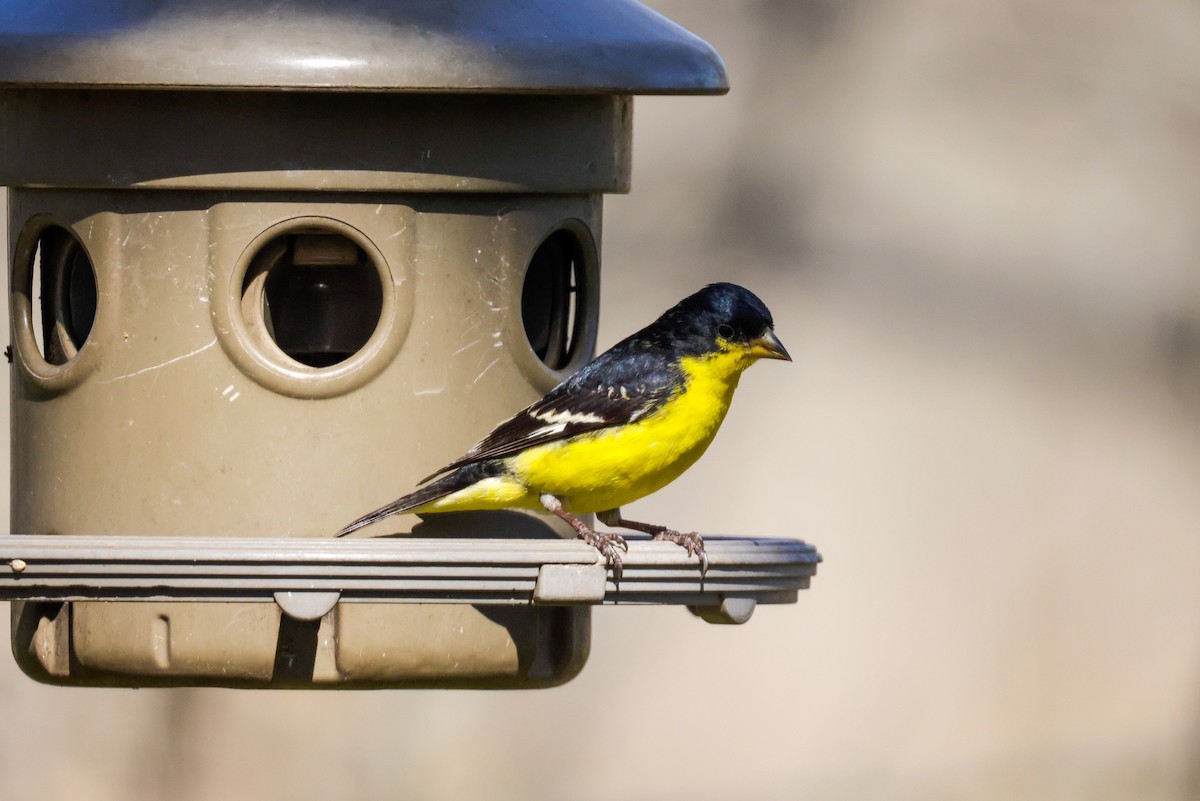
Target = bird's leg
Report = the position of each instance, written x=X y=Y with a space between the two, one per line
x=606 y=544
x=692 y=541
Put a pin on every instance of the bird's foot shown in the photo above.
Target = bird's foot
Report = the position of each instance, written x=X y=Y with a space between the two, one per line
x=607 y=545
x=691 y=541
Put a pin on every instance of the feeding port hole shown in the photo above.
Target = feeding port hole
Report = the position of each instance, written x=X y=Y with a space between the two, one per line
x=317 y=294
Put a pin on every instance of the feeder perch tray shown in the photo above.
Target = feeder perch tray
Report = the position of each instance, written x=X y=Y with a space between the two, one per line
x=308 y=577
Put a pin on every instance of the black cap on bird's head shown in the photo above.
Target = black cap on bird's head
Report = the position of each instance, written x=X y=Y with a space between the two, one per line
x=727 y=313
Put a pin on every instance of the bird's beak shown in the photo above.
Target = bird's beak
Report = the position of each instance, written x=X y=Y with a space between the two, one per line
x=768 y=346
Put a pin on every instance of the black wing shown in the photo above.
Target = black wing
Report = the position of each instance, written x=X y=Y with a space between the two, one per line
x=622 y=385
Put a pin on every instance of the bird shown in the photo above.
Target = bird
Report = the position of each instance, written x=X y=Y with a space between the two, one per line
x=624 y=426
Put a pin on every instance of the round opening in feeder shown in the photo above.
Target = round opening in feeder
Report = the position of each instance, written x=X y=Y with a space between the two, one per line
x=60 y=284
x=315 y=294
x=554 y=298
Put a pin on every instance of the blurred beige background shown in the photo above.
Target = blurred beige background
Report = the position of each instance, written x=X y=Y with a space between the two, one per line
x=979 y=231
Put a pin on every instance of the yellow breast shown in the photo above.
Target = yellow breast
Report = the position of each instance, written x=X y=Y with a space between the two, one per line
x=612 y=467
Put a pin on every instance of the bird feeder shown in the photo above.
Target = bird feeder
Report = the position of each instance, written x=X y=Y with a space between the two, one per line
x=268 y=267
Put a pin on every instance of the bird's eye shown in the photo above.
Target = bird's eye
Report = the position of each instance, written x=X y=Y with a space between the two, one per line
x=725 y=331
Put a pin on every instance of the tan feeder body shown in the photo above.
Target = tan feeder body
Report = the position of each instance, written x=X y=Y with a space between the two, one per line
x=269 y=266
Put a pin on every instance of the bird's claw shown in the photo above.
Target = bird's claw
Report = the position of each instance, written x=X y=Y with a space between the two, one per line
x=607 y=545
x=692 y=542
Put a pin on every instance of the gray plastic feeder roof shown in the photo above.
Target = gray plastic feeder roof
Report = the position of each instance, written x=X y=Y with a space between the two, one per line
x=494 y=46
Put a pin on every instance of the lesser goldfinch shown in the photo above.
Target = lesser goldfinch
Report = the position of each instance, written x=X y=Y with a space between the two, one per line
x=625 y=425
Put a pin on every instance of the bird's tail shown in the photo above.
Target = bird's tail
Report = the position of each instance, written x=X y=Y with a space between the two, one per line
x=439 y=488
x=460 y=479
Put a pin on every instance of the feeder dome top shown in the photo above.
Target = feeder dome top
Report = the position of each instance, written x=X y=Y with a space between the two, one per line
x=485 y=46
